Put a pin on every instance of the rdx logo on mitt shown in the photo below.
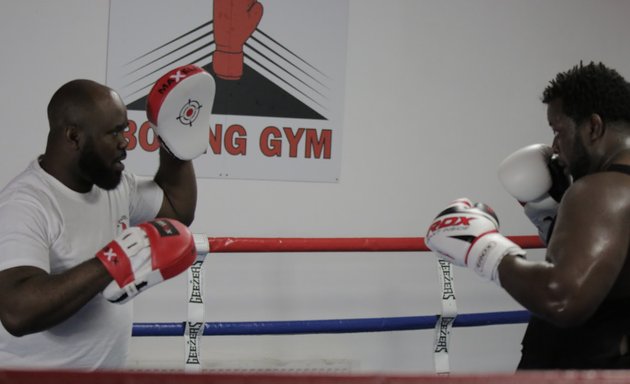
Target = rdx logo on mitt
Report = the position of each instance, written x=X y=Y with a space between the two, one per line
x=451 y=222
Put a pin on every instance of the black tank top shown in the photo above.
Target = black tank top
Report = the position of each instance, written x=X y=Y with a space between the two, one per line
x=593 y=345
x=623 y=168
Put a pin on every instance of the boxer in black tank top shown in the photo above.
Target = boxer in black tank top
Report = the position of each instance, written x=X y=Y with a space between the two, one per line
x=579 y=296
x=600 y=343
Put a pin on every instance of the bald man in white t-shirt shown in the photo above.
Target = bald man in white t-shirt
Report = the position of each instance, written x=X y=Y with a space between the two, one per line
x=57 y=214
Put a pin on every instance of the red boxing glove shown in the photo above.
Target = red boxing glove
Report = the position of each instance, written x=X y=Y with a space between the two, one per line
x=145 y=255
x=234 y=22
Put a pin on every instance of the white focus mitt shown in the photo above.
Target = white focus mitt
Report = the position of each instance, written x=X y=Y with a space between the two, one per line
x=179 y=107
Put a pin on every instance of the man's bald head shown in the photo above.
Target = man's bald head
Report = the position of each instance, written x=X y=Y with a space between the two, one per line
x=75 y=103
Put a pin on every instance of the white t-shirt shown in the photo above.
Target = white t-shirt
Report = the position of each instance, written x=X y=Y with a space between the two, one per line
x=45 y=224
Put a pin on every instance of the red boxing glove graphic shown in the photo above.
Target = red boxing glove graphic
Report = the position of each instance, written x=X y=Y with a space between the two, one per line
x=234 y=22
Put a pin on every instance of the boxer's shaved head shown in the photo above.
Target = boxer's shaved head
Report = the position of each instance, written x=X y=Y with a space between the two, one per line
x=73 y=102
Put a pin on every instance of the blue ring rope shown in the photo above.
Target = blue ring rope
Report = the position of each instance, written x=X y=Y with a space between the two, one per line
x=385 y=324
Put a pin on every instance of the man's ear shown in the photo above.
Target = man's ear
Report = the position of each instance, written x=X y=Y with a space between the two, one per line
x=73 y=136
x=596 y=127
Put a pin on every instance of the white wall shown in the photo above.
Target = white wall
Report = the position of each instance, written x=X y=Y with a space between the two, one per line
x=437 y=94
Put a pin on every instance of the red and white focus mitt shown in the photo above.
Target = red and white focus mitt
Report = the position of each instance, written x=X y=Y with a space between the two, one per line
x=145 y=255
x=179 y=107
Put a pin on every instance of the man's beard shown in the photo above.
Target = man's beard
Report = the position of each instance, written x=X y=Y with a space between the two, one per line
x=581 y=163
x=96 y=170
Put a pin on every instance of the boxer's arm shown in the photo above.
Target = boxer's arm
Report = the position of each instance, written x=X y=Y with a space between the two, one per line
x=31 y=300
x=178 y=181
x=586 y=253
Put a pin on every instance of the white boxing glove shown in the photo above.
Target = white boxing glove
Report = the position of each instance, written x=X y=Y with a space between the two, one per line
x=466 y=235
x=534 y=177
x=179 y=107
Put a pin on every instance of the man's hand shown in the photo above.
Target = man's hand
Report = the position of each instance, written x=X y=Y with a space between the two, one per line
x=533 y=176
x=466 y=235
x=143 y=256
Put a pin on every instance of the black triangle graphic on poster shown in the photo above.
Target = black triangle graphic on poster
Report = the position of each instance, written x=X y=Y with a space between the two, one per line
x=251 y=95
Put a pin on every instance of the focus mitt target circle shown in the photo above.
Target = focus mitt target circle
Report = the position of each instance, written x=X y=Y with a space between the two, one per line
x=179 y=107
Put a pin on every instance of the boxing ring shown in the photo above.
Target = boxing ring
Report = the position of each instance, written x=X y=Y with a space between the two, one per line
x=299 y=245
x=195 y=326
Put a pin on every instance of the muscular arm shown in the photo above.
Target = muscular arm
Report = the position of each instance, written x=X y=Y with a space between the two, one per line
x=177 y=180
x=31 y=300
x=586 y=254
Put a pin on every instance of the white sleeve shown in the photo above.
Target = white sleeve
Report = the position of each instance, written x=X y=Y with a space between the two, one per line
x=145 y=200
x=23 y=237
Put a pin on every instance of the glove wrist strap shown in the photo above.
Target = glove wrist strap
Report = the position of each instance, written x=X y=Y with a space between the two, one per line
x=488 y=251
x=541 y=213
x=117 y=264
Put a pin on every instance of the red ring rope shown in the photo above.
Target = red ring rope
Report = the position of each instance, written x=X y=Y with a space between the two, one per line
x=338 y=244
